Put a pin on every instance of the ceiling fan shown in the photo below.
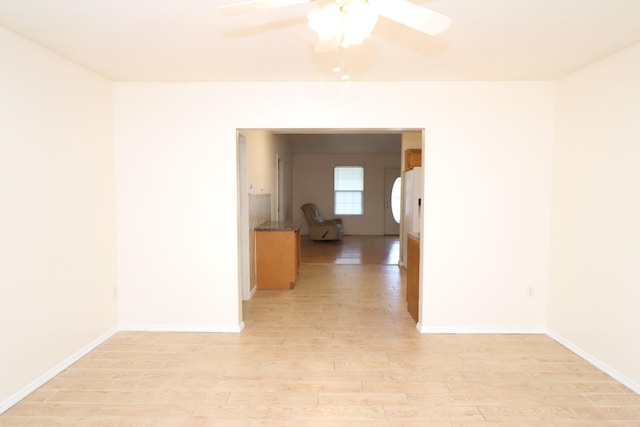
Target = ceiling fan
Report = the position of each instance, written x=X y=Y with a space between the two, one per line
x=349 y=22
x=343 y=23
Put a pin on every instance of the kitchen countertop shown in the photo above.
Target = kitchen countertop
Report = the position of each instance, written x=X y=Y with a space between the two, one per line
x=279 y=226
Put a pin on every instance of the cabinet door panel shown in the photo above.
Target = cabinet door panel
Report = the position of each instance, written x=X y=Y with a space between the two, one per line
x=276 y=259
x=413 y=277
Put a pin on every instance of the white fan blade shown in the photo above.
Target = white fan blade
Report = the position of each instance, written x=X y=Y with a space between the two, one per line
x=414 y=16
x=253 y=5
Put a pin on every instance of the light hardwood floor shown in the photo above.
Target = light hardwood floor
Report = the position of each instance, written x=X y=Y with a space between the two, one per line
x=337 y=350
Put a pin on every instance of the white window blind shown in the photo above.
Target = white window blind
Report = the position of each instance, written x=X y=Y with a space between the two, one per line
x=348 y=184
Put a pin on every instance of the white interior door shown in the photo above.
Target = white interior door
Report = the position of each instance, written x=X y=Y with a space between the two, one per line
x=392 y=201
x=280 y=199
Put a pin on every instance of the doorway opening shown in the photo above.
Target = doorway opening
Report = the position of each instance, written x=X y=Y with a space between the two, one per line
x=296 y=177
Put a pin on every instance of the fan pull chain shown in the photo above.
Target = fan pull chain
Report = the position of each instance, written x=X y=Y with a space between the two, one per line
x=341 y=63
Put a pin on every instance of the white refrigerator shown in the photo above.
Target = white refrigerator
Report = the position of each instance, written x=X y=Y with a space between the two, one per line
x=412 y=206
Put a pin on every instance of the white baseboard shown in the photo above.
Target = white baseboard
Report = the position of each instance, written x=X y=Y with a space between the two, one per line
x=596 y=362
x=465 y=330
x=42 y=379
x=183 y=328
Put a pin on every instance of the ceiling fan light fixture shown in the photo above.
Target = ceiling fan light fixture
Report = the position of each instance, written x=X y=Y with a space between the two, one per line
x=359 y=20
x=327 y=22
x=347 y=22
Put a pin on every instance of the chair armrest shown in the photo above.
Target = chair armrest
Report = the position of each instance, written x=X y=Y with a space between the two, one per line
x=330 y=222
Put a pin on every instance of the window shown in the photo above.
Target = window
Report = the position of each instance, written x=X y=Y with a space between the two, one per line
x=348 y=185
x=396 y=195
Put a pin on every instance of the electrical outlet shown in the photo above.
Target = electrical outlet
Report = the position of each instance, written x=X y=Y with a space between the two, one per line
x=530 y=291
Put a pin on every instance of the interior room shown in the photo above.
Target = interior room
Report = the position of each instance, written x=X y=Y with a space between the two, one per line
x=285 y=170
x=133 y=135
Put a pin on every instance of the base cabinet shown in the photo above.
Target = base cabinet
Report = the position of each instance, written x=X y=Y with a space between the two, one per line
x=413 y=276
x=277 y=255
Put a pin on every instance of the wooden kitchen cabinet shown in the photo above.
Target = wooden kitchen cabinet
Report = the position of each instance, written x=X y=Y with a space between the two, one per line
x=277 y=254
x=413 y=275
x=412 y=158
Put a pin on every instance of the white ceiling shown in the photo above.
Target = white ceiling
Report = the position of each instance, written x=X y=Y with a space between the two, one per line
x=191 y=40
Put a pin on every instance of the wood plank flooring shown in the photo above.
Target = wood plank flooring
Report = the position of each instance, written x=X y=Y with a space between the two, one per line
x=381 y=250
x=339 y=349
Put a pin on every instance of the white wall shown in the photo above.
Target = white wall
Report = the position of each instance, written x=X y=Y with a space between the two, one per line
x=176 y=209
x=263 y=148
x=488 y=164
x=485 y=240
x=57 y=220
x=313 y=183
x=595 y=258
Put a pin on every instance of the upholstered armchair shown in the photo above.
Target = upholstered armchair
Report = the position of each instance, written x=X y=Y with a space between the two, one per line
x=321 y=229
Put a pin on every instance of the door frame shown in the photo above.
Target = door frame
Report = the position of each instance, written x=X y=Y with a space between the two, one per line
x=244 y=290
x=244 y=257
